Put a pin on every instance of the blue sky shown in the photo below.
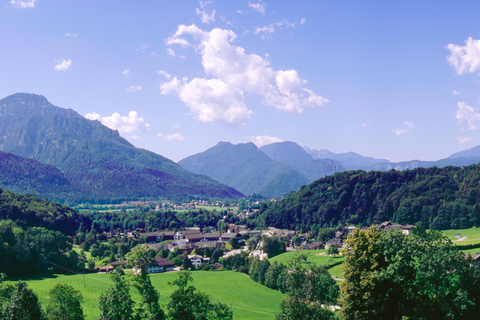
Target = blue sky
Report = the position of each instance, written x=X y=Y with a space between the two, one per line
x=396 y=80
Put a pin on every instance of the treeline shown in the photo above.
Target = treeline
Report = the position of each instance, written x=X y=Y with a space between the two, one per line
x=440 y=198
x=151 y=220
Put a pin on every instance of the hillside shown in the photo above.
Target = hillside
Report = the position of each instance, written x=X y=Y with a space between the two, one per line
x=100 y=164
x=22 y=175
x=440 y=198
x=30 y=211
x=245 y=168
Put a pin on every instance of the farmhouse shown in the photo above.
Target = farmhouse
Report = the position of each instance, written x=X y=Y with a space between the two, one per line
x=160 y=265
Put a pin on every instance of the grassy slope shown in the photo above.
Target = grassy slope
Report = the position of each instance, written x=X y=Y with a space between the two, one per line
x=319 y=257
x=249 y=299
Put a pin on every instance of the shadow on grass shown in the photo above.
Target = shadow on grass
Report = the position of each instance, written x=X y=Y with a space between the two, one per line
x=33 y=277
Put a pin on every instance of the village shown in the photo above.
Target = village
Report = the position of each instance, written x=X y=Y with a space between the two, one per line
x=191 y=242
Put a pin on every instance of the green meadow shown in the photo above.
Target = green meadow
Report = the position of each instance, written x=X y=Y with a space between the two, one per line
x=319 y=257
x=248 y=299
x=472 y=235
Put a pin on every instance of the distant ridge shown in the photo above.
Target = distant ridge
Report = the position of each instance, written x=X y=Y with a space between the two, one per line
x=101 y=165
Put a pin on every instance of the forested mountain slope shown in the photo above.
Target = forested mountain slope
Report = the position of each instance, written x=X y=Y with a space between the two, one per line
x=102 y=165
x=22 y=175
x=440 y=198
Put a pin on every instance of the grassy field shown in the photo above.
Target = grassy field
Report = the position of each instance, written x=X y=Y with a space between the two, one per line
x=472 y=234
x=248 y=299
x=319 y=257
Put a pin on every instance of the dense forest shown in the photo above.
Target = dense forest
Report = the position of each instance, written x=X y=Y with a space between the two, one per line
x=440 y=198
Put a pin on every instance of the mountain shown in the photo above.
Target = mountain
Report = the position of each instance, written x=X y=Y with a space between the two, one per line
x=349 y=160
x=294 y=155
x=245 y=168
x=469 y=153
x=22 y=175
x=440 y=198
x=286 y=151
x=95 y=159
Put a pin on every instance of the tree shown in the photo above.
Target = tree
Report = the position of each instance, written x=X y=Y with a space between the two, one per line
x=309 y=291
x=360 y=298
x=273 y=246
x=187 y=303
x=23 y=304
x=140 y=257
x=65 y=303
x=116 y=303
x=417 y=276
x=332 y=250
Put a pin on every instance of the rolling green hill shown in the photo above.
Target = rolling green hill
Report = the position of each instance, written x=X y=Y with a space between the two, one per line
x=249 y=300
x=98 y=163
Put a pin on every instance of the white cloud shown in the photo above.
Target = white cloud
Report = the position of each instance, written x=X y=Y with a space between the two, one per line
x=24 y=4
x=126 y=73
x=132 y=123
x=133 y=89
x=405 y=130
x=464 y=140
x=175 y=136
x=164 y=73
x=206 y=17
x=73 y=35
x=455 y=92
x=143 y=47
x=159 y=134
x=268 y=30
x=264 y=140
x=232 y=73
x=62 y=64
x=176 y=126
x=302 y=21
x=467 y=114
x=170 y=52
x=465 y=59
x=259 y=6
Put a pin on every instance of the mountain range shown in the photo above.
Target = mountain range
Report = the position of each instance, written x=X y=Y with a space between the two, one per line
x=272 y=170
x=280 y=167
x=92 y=162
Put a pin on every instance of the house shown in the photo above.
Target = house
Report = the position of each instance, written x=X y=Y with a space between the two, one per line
x=121 y=263
x=195 y=259
x=228 y=236
x=350 y=229
x=313 y=245
x=150 y=237
x=212 y=237
x=334 y=242
x=254 y=233
x=160 y=265
x=204 y=245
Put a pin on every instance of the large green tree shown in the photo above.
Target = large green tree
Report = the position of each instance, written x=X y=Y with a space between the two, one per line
x=65 y=303
x=116 y=303
x=187 y=303
x=23 y=304
x=149 y=308
x=310 y=291
x=417 y=276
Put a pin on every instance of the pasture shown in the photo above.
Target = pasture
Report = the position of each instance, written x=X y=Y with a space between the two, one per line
x=248 y=299
x=319 y=257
